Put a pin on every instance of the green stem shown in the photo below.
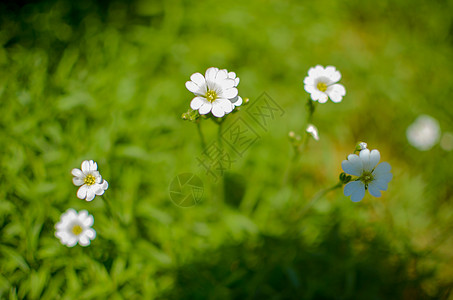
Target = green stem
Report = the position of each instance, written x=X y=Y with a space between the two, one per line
x=316 y=197
x=200 y=133
x=300 y=148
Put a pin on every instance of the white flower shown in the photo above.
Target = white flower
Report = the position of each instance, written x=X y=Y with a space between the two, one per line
x=446 y=142
x=311 y=129
x=90 y=180
x=213 y=92
x=424 y=133
x=370 y=177
x=362 y=146
x=75 y=228
x=321 y=84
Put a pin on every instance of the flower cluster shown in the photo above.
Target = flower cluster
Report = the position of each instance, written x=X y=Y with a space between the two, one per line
x=215 y=92
x=75 y=227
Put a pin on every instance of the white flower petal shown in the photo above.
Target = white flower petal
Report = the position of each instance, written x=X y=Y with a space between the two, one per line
x=221 y=75
x=365 y=157
x=336 y=92
x=226 y=84
x=382 y=184
x=105 y=185
x=84 y=240
x=90 y=233
x=205 y=108
x=194 y=88
x=85 y=166
x=231 y=75
x=238 y=102
x=319 y=96
x=375 y=156
x=355 y=189
x=197 y=102
x=373 y=189
x=226 y=105
x=333 y=74
x=77 y=181
x=383 y=167
x=83 y=214
x=93 y=166
x=88 y=221
x=198 y=79
x=82 y=192
x=90 y=194
x=316 y=71
x=309 y=81
x=230 y=93
x=217 y=110
x=352 y=166
x=77 y=173
x=310 y=89
x=211 y=74
x=71 y=242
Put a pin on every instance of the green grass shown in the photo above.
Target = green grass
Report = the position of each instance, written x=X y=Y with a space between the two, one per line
x=105 y=81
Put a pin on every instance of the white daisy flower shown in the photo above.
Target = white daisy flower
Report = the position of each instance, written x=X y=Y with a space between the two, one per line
x=321 y=84
x=90 y=181
x=212 y=92
x=311 y=129
x=370 y=177
x=424 y=133
x=75 y=228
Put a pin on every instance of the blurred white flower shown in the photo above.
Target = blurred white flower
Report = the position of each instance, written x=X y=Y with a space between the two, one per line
x=447 y=141
x=311 y=129
x=370 y=177
x=90 y=181
x=75 y=228
x=321 y=84
x=213 y=92
x=424 y=133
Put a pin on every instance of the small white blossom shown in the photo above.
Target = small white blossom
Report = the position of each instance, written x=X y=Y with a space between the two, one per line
x=446 y=142
x=90 y=181
x=213 y=91
x=424 y=133
x=322 y=84
x=362 y=146
x=75 y=228
x=370 y=177
x=311 y=129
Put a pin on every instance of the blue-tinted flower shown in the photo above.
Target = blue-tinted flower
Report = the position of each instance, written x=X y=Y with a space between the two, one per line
x=370 y=175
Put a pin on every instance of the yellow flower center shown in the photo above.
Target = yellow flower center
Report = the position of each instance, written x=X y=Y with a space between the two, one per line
x=366 y=178
x=77 y=229
x=89 y=180
x=211 y=95
x=322 y=86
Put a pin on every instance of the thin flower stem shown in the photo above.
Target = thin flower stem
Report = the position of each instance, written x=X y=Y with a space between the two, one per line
x=108 y=206
x=316 y=197
x=200 y=133
x=300 y=148
x=221 y=187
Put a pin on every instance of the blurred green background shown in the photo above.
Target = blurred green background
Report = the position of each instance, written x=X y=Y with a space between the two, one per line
x=105 y=81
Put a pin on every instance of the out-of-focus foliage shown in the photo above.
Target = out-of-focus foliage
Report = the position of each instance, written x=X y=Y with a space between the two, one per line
x=105 y=81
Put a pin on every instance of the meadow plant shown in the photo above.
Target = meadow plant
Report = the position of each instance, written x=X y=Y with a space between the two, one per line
x=75 y=227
